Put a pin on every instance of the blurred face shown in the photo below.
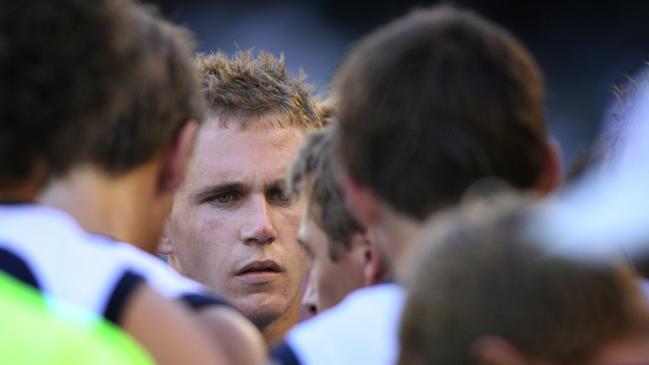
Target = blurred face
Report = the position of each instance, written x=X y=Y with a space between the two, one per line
x=329 y=281
x=629 y=351
x=232 y=226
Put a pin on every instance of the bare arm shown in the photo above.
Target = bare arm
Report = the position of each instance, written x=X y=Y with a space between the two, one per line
x=168 y=332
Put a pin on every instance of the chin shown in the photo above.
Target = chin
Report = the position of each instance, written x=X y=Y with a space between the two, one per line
x=262 y=309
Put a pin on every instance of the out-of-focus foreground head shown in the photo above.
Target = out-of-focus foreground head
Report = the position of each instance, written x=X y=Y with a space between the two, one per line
x=484 y=290
x=233 y=225
x=59 y=90
x=432 y=103
x=137 y=163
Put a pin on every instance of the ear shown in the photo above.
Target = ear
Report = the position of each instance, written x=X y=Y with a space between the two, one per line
x=362 y=203
x=492 y=350
x=165 y=247
x=550 y=176
x=176 y=158
x=372 y=262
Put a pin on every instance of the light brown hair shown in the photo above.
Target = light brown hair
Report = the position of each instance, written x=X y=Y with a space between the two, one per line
x=249 y=89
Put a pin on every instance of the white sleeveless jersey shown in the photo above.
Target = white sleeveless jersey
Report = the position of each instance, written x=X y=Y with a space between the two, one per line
x=362 y=329
x=161 y=277
x=46 y=248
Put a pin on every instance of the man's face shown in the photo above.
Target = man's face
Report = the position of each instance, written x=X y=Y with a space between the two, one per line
x=232 y=225
x=329 y=281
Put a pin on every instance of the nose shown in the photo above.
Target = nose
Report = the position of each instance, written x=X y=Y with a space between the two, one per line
x=258 y=228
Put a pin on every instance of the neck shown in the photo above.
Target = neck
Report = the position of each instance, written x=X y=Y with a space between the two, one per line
x=275 y=331
x=396 y=233
x=117 y=207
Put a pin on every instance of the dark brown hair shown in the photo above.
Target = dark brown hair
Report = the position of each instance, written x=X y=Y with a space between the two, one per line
x=313 y=175
x=248 y=88
x=435 y=101
x=165 y=96
x=482 y=273
x=69 y=69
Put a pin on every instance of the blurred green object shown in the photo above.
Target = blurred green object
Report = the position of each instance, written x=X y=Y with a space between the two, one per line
x=35 y=330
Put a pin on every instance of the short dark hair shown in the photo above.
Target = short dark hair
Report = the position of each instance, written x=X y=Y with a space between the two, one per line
x=248 y=88
x=481 y=272
x=313 y=175
x=166 y=97
x=68 y=68
x=435 y=101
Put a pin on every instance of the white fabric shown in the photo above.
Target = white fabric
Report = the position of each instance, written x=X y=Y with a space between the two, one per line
x=362 y=329
x=608 y=207
x=79 y=268
x=55 y=248
x=157 y=274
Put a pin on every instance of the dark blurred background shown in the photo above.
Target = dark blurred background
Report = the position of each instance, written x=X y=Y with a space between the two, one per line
x=585 y=48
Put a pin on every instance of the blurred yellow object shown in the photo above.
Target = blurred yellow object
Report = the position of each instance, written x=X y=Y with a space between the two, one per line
x=34 y=330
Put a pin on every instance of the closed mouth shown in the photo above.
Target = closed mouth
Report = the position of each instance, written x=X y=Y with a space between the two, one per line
x=260 y=266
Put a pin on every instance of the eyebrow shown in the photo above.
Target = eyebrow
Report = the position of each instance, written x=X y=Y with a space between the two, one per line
x=210 y=191
x=276 y=184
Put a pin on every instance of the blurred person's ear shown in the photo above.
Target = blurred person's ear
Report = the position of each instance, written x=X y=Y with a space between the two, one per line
x=550 y=176
x=494 y=350
x=175 y=158
x=368 y=254
x=362 y=203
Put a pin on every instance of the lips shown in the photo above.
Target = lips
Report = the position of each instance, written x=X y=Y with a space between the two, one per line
x=260 y=266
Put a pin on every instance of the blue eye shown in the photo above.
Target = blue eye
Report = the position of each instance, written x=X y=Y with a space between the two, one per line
x=223 y=198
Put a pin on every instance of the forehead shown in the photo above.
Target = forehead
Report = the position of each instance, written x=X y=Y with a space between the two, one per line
x=229 y=153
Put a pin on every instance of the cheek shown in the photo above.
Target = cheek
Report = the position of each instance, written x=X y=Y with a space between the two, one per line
x=290 y=218
x=202 y=239
x=329 y=285
x=343 y=277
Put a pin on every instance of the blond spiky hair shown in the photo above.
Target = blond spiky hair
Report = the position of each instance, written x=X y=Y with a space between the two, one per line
x=248 y=88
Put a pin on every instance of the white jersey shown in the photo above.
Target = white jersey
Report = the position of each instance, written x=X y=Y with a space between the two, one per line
x=47 y=249
x=362 y=329
x=161 y=277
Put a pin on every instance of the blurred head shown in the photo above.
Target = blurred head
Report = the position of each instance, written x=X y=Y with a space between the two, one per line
x=70 y=69
x=166 y=99
x=483 y=290
x=343 y=258
x=233 y=224
x=151 y=138
x=433 y=102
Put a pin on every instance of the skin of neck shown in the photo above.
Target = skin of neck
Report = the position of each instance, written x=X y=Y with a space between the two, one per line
x=395 y=234
x=124 y=207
